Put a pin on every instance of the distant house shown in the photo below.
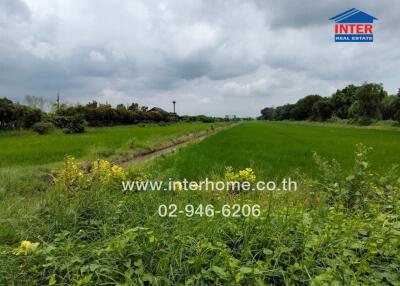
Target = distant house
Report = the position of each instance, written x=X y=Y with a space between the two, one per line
x=158 y=109
x=169 y=116
x=353 y=16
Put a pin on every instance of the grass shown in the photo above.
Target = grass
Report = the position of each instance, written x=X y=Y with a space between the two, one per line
x=26 y=159
x=30 y=149
x=276 y=149
x=341 y=229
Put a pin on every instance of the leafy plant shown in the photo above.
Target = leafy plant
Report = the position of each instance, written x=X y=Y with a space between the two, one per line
x=43 y=127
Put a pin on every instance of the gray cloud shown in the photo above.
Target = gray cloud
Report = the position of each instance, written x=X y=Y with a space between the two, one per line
x=213 y=57
x=15 y=10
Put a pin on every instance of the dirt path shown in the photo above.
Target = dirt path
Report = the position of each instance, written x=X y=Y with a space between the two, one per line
x=169 y=147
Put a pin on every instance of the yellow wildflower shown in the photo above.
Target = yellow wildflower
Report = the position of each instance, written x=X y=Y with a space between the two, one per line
x=117 y=172
x=26 y=247
x=106 y=172
x=178 y=186
x=245 y=175
x=71 y=175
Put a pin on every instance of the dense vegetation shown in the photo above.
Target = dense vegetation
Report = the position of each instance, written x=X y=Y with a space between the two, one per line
x=17 y=116
x=341 y=227
x=360 y=104
x=73 y=118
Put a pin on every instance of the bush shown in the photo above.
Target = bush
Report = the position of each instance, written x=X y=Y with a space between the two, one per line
x=43 y=128
x=60 y=121
x=163 y=123
x=75 y=124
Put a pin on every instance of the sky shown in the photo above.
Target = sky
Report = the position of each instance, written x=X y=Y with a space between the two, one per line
x=213 y=57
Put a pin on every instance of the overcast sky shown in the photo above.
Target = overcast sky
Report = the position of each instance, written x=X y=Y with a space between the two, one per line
x=212 y=57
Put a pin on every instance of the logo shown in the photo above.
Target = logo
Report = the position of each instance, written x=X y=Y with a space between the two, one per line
x=354 y=26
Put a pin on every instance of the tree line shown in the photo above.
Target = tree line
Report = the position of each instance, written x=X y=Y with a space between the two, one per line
x=362 y=104
x=73 y=118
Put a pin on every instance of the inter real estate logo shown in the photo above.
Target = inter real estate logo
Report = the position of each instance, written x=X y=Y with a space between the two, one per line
x=354 y=26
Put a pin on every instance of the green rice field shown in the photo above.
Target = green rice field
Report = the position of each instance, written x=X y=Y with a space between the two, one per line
x=275 y=149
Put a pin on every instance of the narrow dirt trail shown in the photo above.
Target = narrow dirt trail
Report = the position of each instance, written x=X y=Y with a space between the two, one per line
x=169 y=147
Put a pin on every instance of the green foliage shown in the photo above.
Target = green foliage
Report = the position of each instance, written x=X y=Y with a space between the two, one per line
x=395 y=105
x=361 y=104
x=17 y=116
x=69 y=123
x=268 y=113
x=342 y=228
x=43 y=128
x=75 y=124
x=322 y=109
x=368 y=103
x=304 y=107
x=342 y=100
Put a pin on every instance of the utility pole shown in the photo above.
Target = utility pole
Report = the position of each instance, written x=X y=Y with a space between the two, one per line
x=174 y=105
x=58 y=100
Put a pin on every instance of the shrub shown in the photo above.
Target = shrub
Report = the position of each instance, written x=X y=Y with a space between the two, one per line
x=43 y=127
x=70 y=123
x=59 y=121
x=74 y=177
x=75 y=124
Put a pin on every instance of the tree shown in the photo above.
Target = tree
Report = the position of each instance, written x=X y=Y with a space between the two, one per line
x=303 y=108
x=284 y=112
x=369 y=103
x=7 y=112
x=14 y=115
x=134 y=106
x=322 y=109
x=389 y=107
x=268 y=113
x=342 y=100
x=396 y=107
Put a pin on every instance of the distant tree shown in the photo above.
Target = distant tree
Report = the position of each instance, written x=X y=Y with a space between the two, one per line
x=342 y=100
x=303 y=108
x=121 y=107
x=396 y=107
x=389 y=107
x=369 y=103
x=7 y=113
x=134 y=106
x=322 y=109
x=268 y=113
x=284 y=112
x=30 y=116
x=92 y=104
